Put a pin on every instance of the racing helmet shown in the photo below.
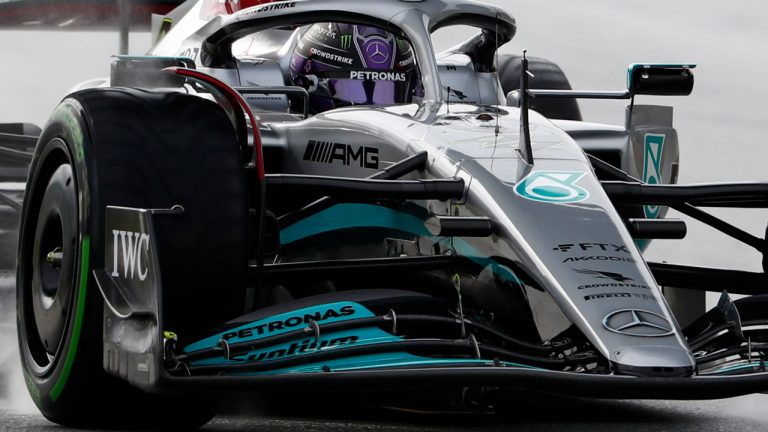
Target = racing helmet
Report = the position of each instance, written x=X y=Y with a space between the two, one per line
x=350 y=64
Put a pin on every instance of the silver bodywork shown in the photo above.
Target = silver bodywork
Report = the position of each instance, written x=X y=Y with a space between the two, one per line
x=563 y=246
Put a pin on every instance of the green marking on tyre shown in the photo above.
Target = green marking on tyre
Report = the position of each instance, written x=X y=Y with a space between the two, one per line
x=79 y=312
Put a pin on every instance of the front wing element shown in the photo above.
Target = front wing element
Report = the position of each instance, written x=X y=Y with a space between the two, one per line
x=564 y=383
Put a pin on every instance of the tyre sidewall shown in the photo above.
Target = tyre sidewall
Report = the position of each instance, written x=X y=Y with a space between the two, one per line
x=134 y=148
x=64 y=140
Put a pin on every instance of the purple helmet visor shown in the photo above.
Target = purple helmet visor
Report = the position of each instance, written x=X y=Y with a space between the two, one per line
x=384 y=92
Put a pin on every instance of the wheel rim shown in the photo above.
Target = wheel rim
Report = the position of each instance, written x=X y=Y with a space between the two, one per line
x=49 y=297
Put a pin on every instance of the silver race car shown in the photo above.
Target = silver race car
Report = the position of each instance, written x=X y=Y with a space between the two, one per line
x=303 y=195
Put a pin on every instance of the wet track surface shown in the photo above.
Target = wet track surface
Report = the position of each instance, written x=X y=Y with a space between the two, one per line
x=722 y=131
x=8 y=359
x=536 y=414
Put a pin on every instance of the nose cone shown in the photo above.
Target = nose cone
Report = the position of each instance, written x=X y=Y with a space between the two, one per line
x=653 y=361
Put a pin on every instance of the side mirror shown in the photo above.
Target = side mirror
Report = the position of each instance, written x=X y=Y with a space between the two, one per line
x=660 y=79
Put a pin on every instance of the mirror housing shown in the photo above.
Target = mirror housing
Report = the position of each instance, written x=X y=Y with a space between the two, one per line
x=660 y=79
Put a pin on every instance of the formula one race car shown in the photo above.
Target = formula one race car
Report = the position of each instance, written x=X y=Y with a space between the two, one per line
x=302 y=195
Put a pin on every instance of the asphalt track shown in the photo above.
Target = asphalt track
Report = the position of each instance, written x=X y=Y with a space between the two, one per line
x=722 y=130
x=539 y=414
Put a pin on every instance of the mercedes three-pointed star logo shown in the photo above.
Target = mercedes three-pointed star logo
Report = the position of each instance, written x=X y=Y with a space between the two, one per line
x=378 y=52
x=636 y=322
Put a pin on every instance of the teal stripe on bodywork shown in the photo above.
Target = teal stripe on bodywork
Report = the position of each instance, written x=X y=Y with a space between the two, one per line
x=351 y=216
x=351 y=337
x=288 y=321
x=307 y=345
x=346 y=216
x=328 y=341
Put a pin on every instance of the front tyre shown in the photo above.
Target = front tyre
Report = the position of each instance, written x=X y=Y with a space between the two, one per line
x=140 y=149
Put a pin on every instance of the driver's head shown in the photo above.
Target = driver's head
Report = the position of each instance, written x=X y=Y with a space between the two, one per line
x=349 y=64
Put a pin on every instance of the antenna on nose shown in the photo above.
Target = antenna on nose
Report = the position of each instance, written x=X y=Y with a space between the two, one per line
x=525 y=131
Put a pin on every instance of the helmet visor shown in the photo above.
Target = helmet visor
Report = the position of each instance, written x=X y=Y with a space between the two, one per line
x=365 y=92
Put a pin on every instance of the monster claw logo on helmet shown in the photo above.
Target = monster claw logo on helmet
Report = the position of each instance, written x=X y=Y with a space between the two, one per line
x=346 y=41
x=354 y=65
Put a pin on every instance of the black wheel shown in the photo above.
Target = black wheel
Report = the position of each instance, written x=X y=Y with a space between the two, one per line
x=753 y=308
x=547 y=75
x=131 y=148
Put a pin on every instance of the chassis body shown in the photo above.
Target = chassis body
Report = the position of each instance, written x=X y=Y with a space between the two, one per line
x=468 y=242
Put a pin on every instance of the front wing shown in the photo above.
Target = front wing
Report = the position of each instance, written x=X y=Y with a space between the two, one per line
x=351 y=348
